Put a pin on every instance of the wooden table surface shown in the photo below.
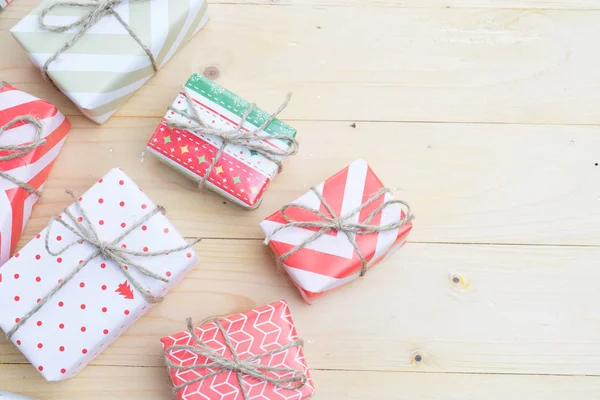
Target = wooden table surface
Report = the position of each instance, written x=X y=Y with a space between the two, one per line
x=483 y=114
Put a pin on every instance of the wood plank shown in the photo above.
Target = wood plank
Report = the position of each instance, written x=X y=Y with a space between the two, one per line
x=515 y=309
x=520 y=4
x=466 y=182
x=26 y=5
x=153 y=383
x=443 y=64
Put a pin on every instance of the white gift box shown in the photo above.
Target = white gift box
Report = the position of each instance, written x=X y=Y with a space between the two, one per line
x=86 y=315
x=12 y=396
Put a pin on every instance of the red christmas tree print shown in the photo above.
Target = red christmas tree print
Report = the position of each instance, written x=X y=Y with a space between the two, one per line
x=124 y=290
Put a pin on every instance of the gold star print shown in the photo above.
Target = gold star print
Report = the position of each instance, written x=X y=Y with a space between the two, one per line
x=254 y=189
x=184 y=149
x=219 y=169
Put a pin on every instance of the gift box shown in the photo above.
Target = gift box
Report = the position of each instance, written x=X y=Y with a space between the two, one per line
x=241 y=173
x=335 y=232
x=271 y=362
x=73 y=298
x=4 y=3
x=28 y=165
x=107 y=63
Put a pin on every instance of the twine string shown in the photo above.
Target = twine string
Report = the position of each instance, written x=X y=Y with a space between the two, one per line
x=341 y=223
x=241 y=367
x=98 y=10
x=253 y=140
x=20 y=150
x=110 y=251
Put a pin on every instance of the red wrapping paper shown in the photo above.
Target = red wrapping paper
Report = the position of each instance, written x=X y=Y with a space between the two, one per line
x=331 y=261
x=33 y=168
x=252 y=333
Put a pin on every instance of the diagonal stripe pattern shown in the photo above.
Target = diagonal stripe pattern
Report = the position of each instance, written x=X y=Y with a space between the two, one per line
x=320 y=260
x=32 y=168
x=107 y=65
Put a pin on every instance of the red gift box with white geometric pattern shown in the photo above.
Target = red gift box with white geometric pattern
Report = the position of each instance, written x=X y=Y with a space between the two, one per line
x=33 y=168
x=331 y=261
x=251 y=333
x=99 y=303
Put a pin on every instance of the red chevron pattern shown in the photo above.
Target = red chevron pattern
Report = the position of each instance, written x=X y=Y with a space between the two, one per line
x=331 y=261
x=16 y=203
x=251 y=333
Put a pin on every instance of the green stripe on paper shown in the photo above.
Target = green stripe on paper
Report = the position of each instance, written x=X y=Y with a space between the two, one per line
x=98 y=81
x=118 y=44
x=196 y=22
x=178 y=13
x=139 y=15
x=236 y=105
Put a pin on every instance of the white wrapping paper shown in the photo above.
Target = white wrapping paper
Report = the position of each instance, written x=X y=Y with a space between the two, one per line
x=99 y=304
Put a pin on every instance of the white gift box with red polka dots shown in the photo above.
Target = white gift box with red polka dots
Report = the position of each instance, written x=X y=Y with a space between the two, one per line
x=99 y=303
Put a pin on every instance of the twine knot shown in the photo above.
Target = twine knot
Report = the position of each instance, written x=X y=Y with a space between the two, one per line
x=98 y=10
x=291 y=379
x=341 y=223
x=107 y=252
x=85 y=231
x=20 y=150
x=338 y=224
x=253 y=140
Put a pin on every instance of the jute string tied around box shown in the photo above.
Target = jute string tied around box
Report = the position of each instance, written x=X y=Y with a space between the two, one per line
x=253 y=140
x=241 y=367
x=84 y=229
x=341 y=223
x=21 y=150
x=98 y=10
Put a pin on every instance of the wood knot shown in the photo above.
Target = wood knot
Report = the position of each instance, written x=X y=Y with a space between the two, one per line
x=459 y=282
x=211 y=73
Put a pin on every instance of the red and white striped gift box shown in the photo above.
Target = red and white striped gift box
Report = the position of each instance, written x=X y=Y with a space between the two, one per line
x=332 y=261
x=4 y=3
x=16 y=203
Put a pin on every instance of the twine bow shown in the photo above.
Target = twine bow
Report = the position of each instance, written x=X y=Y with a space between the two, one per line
x=108 y=250
x=20 y=150
x=253 y=140
x=341 y=223
x=98 y=10
x=241 y=367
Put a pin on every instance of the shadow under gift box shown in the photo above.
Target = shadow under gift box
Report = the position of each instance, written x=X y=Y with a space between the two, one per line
x=331 y=261
x=106 y=66
x=33 y=168
x=99 y=303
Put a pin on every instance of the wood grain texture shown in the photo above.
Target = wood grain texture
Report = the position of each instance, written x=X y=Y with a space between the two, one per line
x=456 y=65
x=467 y=183
x=515 y=309
x=153 y=384
x=501 y=4
x=481 y=113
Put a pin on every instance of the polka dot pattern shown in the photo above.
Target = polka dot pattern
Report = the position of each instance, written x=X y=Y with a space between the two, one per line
x=96 y=307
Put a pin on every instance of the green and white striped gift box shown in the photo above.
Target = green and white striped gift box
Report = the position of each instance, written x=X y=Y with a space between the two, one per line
x=106 y=66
